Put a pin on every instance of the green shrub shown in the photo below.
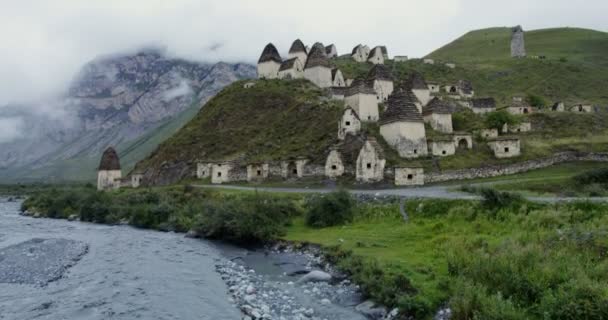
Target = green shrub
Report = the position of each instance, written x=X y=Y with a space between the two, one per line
x=596 y=176
x=497 y=119
x=495 y=200
x=330 y=210
x=536 y=101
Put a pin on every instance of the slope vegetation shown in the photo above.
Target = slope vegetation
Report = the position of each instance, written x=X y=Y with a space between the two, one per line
x=273 y=120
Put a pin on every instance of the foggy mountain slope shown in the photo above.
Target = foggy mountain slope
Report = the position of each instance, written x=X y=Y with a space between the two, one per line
x=115 y=100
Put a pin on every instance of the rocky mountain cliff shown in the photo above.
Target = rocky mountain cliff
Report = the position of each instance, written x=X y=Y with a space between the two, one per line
x=114 y=100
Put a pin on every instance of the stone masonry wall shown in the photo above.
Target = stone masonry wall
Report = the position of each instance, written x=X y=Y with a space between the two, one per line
x=493 y=171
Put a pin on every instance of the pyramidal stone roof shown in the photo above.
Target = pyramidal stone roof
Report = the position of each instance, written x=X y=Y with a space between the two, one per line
x=356 y=48
x=297 y=46
x=109 y=160
x=360 y=86
x=437 y=106
x=416 y=81
x=377 y=147
x=401 y=107
x=334 y=72
x=380 y=72
x=288 y=64
x=484 y=103
x=465 y=86
x=270 y=53
x=317 y=57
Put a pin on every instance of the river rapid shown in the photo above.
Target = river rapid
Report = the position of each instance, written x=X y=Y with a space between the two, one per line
x=57 y=269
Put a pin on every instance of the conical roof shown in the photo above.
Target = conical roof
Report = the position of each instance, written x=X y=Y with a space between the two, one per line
x=297 y=46
x=416 y=81
x=360 y=86
x=270 y=53
x=380 y=72
x=437 y=106
x=401 y=107
x=109 y=160
x=317 y=57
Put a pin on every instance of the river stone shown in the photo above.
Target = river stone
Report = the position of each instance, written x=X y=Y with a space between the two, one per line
x=370 y=310
x=315 y=276
x=39 y=261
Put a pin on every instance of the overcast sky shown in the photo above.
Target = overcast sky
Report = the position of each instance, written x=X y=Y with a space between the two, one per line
x=45 y=42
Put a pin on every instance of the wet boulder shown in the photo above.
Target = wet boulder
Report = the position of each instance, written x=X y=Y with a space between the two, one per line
x=315 y=276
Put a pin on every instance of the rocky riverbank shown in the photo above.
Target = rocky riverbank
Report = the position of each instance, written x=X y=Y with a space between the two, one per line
x=293 y=283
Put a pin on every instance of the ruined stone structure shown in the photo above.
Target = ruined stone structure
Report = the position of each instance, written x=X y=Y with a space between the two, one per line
x=293 y=169
x=438 y=114
x=350 y=124
x=136 y=180
x=402 y=125
x=483 y=105
x=451 y=65
x=338 y=93
x=331 y=51
x=291 y=69
x=489 y=133
x=518 y=45
x=521 y=127
x=360 y=53
x=382 y=81
x=442 y=146
x=428 y=61
x=337 y=79
x=463 y=140
x=370 y=162
x=409 y=176
x=298 y=50
x=224 y=172
x=362 y=98
x=318 y=69
x=269 y=63
x=519 y=106
x=203 y=170
x=376 y=56
x=505 y=147
x=401 y=58
x=334 y=165
x=434 y=87
x=465 y=89
x=558 y=107
x=108 y=172
x=583 y=108
x=257 y=172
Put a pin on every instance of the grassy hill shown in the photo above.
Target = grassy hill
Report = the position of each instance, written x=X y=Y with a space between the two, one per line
x=273 y=120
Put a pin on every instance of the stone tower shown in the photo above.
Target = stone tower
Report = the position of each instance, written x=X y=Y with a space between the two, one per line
x=518 y=46
x=109 y=173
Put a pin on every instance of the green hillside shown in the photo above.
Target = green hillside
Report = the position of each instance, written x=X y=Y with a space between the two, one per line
x=273 y=120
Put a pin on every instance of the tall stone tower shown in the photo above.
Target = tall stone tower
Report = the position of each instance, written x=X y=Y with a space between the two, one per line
x=109 y=173
x=518 y=45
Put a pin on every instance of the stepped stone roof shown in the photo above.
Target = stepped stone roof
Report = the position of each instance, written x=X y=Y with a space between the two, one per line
x=360 y=86
x=437 y=106
x=288 y=64
x=270 y=53
x=484 y=103
x=374 y=50
x=109 y=160
x=465 y=86
x=517 y=29
x=329 y=48
x=317 y=57
x=297 y=46
x=349 y=148
x=334 y=71
x=416 y=81
x=340 y=91
x=383 y=49
x=401 y=107
x=355 y=49
x=380 y=72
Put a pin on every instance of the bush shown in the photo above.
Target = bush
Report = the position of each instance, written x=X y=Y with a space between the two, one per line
x=495 y=200
x=536 y=101
x=330 y=210
x=596 y=176
x=497 y=119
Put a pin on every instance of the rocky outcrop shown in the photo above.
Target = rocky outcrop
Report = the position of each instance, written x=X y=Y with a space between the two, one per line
x=114 y=100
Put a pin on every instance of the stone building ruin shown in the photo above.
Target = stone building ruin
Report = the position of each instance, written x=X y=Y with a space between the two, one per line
x=370 y=162
x=350 y=124
x=269 y=63
x=438 y=114
x=409 y=176
x=362 y=98
x=291 y=69
x=505 y=147
x=382 y=82
x=318 y=69
x=298 y=50
x=402 y=125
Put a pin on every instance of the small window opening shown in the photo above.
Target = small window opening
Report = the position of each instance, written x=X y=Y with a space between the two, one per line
x=295 y=171
x=410 y=177
x=369 y=117
x=334 y=167
x=347 y=123
x=219 y=174
x=506 y=150
x=443 y=152
x=259 y=172
x=369 y=165
x=415 y=151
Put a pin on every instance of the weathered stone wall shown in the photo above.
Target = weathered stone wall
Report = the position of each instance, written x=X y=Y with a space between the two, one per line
x=302 y=56
x=376 y=57
x=423 y=95
x=494 y=171
x=365 y=105
x=203 y=170
x=458 y=137
x=440 y=122
x=443 y=148
x=296 y=72
x=408 y=138
x=108 y=179
x=370 y=167
x=136 y=180
x=334 y=167
x=268 y=70
x=350 y=124
x=489 y=133
x=383 y=88
x=518 y=46
x=409 y=176
x=506 y=148
x=319 y=75
x=258 y=172
x=338 y=80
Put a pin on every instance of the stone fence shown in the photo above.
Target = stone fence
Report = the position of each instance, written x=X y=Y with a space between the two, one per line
x=501 y=170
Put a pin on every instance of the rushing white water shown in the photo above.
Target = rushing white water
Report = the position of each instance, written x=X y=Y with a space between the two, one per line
x=126 y=274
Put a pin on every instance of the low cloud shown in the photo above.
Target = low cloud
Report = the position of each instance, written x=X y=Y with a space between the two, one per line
x=183 y=89
x=10 y=129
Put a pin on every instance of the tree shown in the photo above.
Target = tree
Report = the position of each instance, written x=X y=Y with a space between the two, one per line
x=497 y=119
